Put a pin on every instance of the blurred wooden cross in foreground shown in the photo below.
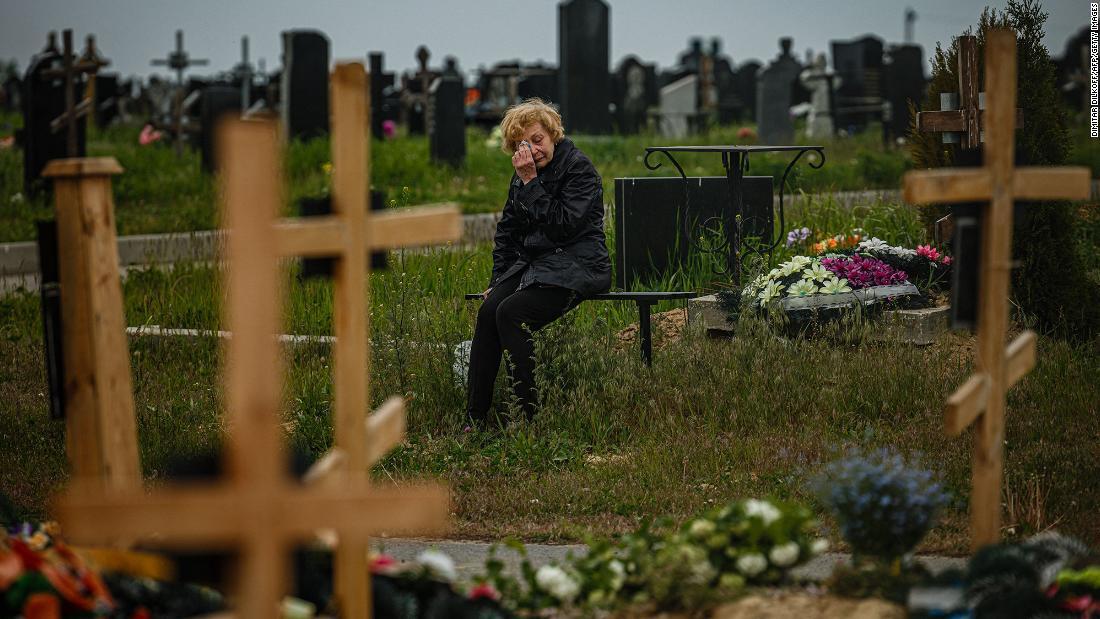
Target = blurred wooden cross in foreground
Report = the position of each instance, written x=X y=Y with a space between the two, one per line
x=258 y=507
x=982 y=397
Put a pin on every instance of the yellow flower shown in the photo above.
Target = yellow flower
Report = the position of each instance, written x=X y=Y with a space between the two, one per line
x=326 y=167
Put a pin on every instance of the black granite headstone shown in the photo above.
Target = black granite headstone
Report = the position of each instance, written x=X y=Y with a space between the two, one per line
x=654 y=233
x=217 y=102
x=584 y=28
x=859 y=66
x=377 y=85
x=305 y=84
x=446 y=119
x=539 y=83
x=744 y=87
x=43 y=101
x=904 y=84
x=106 y=98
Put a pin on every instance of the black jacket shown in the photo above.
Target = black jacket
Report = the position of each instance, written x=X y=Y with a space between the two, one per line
x=554 y=225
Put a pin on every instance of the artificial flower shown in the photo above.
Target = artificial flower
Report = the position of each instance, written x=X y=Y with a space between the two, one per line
x=802 y=288
x=816 y=272
x=770 y=292
x=556 y=582
x=819 y=546
x=835 y=286
x=764 y=510
x=751 y=564
x=438 y=564
x=701 y=528
x=784 y=554
x=483 y=591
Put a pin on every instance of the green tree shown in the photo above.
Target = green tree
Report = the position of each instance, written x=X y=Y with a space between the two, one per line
x=1052 y=284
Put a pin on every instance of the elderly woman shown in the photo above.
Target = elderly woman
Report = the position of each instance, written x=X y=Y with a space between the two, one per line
x=549 y=253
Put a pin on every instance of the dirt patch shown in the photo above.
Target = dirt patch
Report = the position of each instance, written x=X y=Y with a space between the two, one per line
x=779 y=603
x=668 y=328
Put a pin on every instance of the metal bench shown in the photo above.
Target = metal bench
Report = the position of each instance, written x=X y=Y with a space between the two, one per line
x=645 y=301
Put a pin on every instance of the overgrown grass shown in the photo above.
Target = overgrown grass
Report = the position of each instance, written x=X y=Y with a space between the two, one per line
x=616 y=442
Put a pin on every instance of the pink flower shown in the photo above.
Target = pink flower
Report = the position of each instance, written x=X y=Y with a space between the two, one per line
x=149 y=135
x=484 y=591
x=946 y=260
x=928 y=252
x=382 y=564
x=389 y=129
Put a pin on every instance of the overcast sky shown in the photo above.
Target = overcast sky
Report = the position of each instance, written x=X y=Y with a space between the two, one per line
x=481 y=32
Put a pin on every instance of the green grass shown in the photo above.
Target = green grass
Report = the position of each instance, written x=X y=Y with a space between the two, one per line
x=617 y=442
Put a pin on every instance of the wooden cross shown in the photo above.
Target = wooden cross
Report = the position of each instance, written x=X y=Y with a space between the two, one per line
x=100 y=432
x=968 y=119
x=71 y=69
x=258 y=508
x=179 y=61
x=982 y=397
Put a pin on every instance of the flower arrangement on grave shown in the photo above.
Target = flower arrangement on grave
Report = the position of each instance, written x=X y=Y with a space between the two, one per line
x=42 y=576
x=883 y=503
x=710 y=557
x=1048 y=575
x=804 y=238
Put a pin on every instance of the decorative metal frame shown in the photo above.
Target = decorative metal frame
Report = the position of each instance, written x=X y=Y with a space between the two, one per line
x=735 y=161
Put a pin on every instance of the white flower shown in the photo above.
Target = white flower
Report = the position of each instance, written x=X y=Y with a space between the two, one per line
x=752 y=564
x=802 y=288
x=794 y=265
x=702 y=572
x=770 y=292
x=557 y=583
x=873 y=243
x=755 y=286
x=819 y=546
x=701 y=528
x=438 y=565
x=816 y=272
x=763 y=510
x=784 y=554
x=618 y=574
x=835 y=286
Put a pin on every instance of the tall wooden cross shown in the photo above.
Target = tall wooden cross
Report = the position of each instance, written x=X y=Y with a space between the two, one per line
x=968 y=119
x=982 y=397
x=258 y=508
x=71 y=69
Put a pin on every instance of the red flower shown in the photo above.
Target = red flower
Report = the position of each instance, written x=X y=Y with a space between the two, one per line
x=382 y=564
x=484 y=591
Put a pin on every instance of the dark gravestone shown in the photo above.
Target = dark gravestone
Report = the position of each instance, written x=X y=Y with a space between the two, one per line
x=107 y=98
x=43 y=101
x=774 y=87
x=305 y=84
x=217 y=102
x=725 y=86
x=583 y=58
x=11 y=93
x=655 y=233
x=744 y=88
x=859 y=66
x=635 y=92
x=447 y=119
x=380 y=106
x=904 y=84
x=540 y=83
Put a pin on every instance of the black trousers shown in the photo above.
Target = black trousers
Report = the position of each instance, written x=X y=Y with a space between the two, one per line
x=506 y=321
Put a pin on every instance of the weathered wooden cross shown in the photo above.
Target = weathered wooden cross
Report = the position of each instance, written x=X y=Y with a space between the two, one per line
x=100 y=432
x=258 y=508
x=179 y=61
x=968 y=119
x=71 y=68
x=982 y=397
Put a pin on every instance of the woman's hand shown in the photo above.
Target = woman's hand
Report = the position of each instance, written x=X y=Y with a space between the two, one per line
x=524 y=163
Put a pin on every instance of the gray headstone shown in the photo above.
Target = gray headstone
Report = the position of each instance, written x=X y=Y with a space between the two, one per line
x=106 y=98
x=679 y=107
x=446 y=119
x=821 y=82
x=635 y=92
x=584 y=28
x=773 y=97
x=304 y=84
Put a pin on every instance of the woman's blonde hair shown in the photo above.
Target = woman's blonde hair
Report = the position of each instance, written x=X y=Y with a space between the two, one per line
x=521 y=116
